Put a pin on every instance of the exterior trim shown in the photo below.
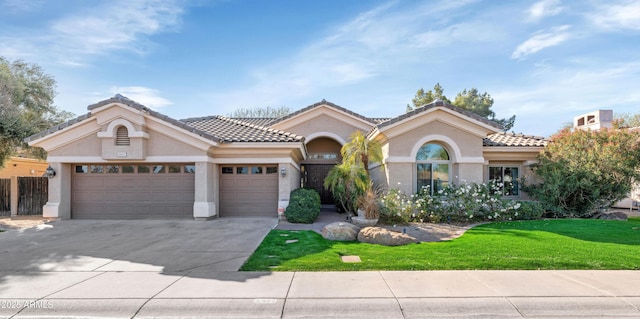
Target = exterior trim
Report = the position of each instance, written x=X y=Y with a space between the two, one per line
x=451 y=144
x=336 y=137
x=150 y=159
x=111 y=129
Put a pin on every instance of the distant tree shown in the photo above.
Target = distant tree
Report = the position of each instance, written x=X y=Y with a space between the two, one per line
x=427 y=97
x=628 y=119
x=261 y=112
x=26 y=106
x=583 y=170
x=470 y=100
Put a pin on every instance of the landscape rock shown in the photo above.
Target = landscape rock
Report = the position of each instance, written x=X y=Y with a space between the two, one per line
x=382 y=236
x=612 y=216
x=363 y=222
x=341 y=231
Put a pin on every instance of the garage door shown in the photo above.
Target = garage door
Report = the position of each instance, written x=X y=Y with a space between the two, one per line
x=248 y=191
x=132 y=191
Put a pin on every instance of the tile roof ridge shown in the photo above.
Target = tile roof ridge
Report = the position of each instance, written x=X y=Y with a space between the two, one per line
x=255 y=126
x=521 y=135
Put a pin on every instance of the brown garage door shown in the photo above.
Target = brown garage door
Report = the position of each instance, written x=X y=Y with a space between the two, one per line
x=133 y=191
x=248 y=191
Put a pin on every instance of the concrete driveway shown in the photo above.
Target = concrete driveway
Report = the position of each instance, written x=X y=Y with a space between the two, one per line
x=164 y=246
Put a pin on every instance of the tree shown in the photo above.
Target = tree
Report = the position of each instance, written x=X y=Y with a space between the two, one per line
x=350 y=180
x=361 y=151
x=423 y=97
x=583 y=171
x=26 y=105
x=471 y=100
x=261 y=112
x=628 y=119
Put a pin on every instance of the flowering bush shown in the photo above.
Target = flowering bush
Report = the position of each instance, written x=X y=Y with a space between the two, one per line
x=464 y=202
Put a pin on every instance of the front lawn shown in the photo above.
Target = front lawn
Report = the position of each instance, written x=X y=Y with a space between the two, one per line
x=539 y=244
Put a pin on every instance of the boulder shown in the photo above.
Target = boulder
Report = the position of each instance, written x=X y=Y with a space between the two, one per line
x=612 y=216
x=382 y=236
x=340 y=231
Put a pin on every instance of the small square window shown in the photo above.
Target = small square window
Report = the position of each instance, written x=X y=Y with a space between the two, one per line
x=256 y=169
x=113 y=169
x=83 y=169
x=158 y=169
x=143 y=169
x=97 y=169
x=272 y=169
x=227 y=170
x=242 y=170
x=127 y=169
x=174 y=169
x=190 y=169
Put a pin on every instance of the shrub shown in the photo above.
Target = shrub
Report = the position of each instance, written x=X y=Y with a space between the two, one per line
x=584 y=171
x=304 y=206
x=458 y=203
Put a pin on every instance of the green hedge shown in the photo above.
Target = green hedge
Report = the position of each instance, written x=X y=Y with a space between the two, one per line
x=304 y=206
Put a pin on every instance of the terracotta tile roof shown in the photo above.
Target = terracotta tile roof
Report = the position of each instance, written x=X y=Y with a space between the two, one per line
x=323 y=102
x=439 y=103
x=514 y=140
x=235 y=130
x=259 y=121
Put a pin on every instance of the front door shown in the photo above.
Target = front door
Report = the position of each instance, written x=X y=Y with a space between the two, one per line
x=314 y=178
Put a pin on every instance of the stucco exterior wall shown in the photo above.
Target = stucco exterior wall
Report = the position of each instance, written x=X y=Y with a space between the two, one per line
x=17 y=166
x=324 y=123
x=287 y=184
x=469 y=145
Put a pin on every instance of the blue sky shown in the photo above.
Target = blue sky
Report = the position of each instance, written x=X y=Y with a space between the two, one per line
x=544 y=61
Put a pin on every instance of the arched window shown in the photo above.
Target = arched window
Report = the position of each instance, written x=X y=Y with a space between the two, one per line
x=432 y=167
x=122 y=136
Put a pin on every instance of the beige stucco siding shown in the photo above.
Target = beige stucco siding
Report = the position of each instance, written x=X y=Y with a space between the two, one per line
x=404 y=144
x=163 y=145
x=86 y=146
x=324 y=123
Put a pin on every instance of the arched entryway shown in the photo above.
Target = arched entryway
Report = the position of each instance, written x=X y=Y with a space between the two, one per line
x=324 y=153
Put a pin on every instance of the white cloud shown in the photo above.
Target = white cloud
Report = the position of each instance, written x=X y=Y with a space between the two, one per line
x=615 y=16
x=544 y=8
x=373 y=44
x=86 y=32
x=555 y=96
x=143 y=95
x=553 y=37
x=20 y=5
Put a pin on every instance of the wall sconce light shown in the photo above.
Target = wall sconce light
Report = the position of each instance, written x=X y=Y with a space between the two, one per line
x=283 y=171
x=50 y=172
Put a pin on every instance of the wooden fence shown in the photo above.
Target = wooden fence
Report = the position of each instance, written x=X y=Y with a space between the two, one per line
x=32 y=194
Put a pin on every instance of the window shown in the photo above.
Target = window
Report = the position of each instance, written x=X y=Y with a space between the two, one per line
x=432 y=167
x=256 y=169
x=242 y=170
x=122 y=136
x=143 y=169
x=97 y=169
x=227 y=170
x=83 y=169
x=158 y=169
x=174 y=169
x=272 y=169
x=190 y=169
x=507 y=179
x=127 y=169
x=113 y=169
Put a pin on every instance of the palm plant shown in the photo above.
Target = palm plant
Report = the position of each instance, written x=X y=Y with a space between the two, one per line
x=347 y=183
x=361 y=151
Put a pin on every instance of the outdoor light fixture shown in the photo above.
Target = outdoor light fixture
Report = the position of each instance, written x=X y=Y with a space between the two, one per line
x=283 y=171
x=50 y=172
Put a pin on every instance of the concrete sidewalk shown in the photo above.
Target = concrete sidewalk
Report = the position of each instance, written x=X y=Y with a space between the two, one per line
x=379 y=294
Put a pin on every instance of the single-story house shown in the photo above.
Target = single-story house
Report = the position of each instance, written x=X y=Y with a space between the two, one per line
x=124 y=160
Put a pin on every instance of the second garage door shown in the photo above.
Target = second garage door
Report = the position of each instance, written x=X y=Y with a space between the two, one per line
x=248 y=191
x=133 y=191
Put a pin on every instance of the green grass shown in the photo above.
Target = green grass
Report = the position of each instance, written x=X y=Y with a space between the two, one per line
x=541 y=244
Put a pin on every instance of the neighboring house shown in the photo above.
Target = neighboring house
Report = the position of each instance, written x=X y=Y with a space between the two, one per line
x=23 y=166
x=123 y=160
